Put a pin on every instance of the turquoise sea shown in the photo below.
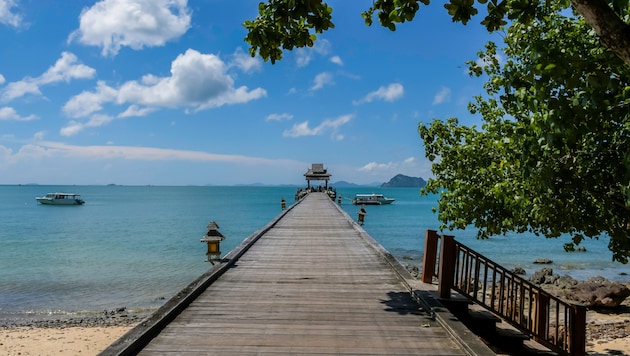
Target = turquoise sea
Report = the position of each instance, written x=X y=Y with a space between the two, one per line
x=136 y=246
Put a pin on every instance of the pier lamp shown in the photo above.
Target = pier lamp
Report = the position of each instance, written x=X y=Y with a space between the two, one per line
x=213 y=237
x=362 y=213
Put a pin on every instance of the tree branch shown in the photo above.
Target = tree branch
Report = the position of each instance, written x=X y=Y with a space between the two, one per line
x=612 y=31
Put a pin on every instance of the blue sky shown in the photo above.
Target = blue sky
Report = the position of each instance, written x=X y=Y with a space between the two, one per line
x=163 y=92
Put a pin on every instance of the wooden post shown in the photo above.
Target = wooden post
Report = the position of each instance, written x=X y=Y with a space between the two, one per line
x=578 y=330
x=430 y=256
x=541 y=316
x=447 y=266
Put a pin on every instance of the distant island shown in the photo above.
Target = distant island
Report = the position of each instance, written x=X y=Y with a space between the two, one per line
x=403 y=181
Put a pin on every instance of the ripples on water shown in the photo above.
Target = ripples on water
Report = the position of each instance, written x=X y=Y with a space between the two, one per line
x=138 y=246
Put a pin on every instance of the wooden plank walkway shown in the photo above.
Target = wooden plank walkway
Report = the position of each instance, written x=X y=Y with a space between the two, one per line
x=312 y=283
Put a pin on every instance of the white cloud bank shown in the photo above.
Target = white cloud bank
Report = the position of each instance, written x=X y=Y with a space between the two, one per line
x=198 y=81
x=93 y=164
x=112 y=24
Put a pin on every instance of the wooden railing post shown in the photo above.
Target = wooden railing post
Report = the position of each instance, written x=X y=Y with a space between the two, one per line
x=541 y=316
x=578 y=330
x=430 y=256
x=447 y=266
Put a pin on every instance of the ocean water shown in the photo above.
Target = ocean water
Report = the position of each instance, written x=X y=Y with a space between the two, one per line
x=137 y=246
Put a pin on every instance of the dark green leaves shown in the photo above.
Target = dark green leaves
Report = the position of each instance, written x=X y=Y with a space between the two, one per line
x=553 y=154
x=286 y=24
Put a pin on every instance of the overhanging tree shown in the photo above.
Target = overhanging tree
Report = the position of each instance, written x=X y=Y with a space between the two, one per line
x=553 y=154
x=286 y=24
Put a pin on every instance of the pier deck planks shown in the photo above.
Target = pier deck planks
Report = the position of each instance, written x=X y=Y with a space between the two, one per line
x=310 y=285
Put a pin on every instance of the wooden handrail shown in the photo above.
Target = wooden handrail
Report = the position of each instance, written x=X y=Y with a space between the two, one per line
x=559 y=325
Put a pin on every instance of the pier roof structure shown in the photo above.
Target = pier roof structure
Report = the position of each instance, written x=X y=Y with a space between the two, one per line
x=317 y=172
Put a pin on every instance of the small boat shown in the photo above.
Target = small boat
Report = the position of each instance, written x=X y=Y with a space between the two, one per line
x=371 y=199
x=61 y=199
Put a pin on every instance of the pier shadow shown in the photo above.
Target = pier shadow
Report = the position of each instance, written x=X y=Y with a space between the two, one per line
x=402 y=303
x=608 y=352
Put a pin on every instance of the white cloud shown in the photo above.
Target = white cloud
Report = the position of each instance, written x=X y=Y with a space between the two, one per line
x=442 y=96
x=389 y=93
x=9 y=114
x=71 y=129
x=56 y=149
x=321 y=80
x=86 y=103
x=337 y=60
x=279 y=117
x=410 y=166
x=303 y=128
x=377 y=168
x=8 y=17
x=304 y=55
x=198 y=81
x=245 y=62
x=136 y=111
x=74 y=127
x=111 y=24
x=65 y=69
x=2 y=80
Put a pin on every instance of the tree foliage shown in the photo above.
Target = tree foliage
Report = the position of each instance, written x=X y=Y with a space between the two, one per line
x=553 y=154
x=286 y=24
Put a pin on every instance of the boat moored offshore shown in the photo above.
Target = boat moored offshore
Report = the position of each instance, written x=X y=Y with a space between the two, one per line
x=61 y=199
x=371 y=199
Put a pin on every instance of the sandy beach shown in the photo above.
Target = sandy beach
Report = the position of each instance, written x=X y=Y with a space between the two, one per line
x=35 y=341
x=608 y=334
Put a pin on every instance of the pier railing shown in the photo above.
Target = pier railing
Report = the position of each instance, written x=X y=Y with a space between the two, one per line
x=559 y=325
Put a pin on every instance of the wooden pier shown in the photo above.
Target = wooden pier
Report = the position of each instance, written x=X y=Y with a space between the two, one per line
x=310 y=282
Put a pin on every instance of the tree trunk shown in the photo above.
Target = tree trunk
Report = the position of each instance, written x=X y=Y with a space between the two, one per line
x=612 y=31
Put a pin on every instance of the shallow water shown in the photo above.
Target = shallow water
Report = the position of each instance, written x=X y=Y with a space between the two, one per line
x=138 y=246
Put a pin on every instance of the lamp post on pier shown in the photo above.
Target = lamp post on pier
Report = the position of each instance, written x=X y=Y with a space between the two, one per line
x=213 y=237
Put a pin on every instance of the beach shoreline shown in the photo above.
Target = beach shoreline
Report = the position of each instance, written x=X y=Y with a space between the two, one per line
x=607 y=334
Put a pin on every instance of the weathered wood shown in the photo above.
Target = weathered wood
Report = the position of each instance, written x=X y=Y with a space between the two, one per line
x=314 y=283
x=430 y=256
x=447 y=266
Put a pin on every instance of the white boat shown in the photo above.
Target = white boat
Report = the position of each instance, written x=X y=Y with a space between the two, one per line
x=61 y=199
x=371 y=199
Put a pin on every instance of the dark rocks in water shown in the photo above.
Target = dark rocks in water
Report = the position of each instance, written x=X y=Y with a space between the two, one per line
x=594 y=293
x=597 y=292
x=519 y=271
x=545 y=261
x=544 y=276
x=564 y=282
x=115 y=317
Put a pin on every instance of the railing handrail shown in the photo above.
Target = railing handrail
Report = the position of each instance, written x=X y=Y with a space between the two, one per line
x=553 y=322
